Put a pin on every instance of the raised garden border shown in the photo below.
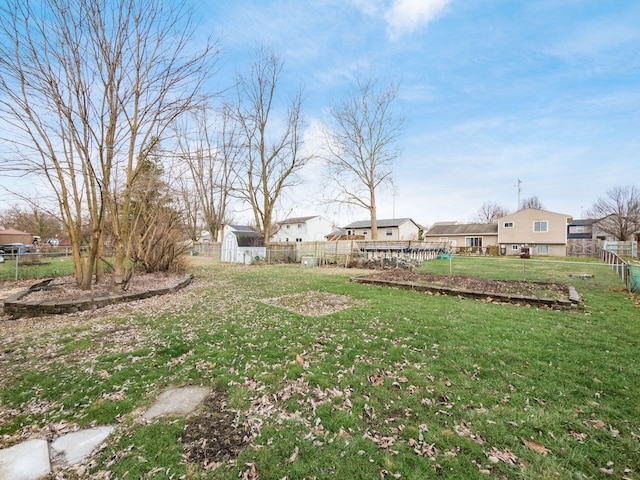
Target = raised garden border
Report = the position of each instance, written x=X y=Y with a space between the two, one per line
x=559 y=304
x=18 y=304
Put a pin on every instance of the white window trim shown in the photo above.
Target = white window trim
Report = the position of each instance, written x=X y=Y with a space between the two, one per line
x=545 y=247
x=467 y=241
x=546 y=222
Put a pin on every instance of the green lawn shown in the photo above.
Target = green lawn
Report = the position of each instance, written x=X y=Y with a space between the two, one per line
x=35 y=268
x=401 y=385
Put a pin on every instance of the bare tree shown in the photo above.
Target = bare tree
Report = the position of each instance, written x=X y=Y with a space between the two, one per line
x=490 y=212
x=188 y=204
x=86 y=85
x=211 y=153
x=362 y=146
x=33 y=219
x=271 y=154
x=618 y=213
x=532 y=202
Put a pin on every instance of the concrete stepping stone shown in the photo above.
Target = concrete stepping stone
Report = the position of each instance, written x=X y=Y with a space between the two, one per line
x=75 y=447
x=31 y=460
x=177 y=401
x=26 y=461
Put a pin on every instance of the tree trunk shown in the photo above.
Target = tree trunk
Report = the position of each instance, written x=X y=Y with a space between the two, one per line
x=374 y=215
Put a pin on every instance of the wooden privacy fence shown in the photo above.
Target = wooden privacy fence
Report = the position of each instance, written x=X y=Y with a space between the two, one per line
x=627 y=249
x=337 y=252
x=213 y=249
x=341 y=252
x=582 y=247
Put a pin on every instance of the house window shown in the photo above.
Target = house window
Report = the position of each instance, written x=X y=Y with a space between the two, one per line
x=579 y=229
x=541 y=226
x=515 y=247
x=286 y=239
x=389 y=232
x=288 y=226
x=364 y=232
x=299 y=225
x=508 y=224
x=298 y=239
x=473 y=242
x=543 y=249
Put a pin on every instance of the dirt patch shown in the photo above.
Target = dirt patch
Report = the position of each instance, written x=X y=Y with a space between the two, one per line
x=312 y=303
x=65 y=288
x=556 y=291
x=215 y=434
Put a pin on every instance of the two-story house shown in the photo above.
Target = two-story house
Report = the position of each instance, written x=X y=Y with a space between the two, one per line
x=476 y=236
x=302 y=229
x=538 y=232
x=388 y=229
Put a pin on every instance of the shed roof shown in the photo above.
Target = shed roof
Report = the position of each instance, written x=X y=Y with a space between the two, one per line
x=249 y=239
x=242 y=228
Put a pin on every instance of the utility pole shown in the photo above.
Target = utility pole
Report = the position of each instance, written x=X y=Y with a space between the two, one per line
x=519 y=190
x=395 y=192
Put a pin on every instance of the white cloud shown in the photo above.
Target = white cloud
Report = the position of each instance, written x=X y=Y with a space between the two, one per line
x=406 y=16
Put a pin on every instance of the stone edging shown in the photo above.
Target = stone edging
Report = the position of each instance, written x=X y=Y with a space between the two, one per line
x=572 y=302
x=17 y=307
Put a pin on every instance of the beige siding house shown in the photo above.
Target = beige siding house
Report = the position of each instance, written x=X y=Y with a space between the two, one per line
x=388 y=229
x=540 y=231
x=476 y=237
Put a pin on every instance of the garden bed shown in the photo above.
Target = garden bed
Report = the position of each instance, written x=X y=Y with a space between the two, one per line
x=553 y=295
x=62 y=295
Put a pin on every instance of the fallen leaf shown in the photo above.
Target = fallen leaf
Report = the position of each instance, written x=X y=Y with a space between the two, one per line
x=535 y=446
x=504 y=456
x=595 y=424
x=581 y=437
x=251 y=473
x=377 y=379
x=294 y=456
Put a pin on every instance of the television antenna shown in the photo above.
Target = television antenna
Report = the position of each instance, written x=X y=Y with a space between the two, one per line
x=519 y=190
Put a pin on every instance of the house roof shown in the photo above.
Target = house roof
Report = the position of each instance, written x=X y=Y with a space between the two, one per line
x=441 y=229
x=337 y=233
x=538 y=209
x=298 y=219
x=13 y=231
x=586 y=221
x=382 y=223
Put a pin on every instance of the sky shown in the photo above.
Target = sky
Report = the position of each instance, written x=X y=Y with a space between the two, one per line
x=502 y=99
x=545 y=92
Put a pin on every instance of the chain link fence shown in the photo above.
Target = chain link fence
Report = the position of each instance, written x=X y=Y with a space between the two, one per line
x=21 y=265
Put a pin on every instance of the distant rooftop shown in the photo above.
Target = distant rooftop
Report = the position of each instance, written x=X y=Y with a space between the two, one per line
x=382 y=223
